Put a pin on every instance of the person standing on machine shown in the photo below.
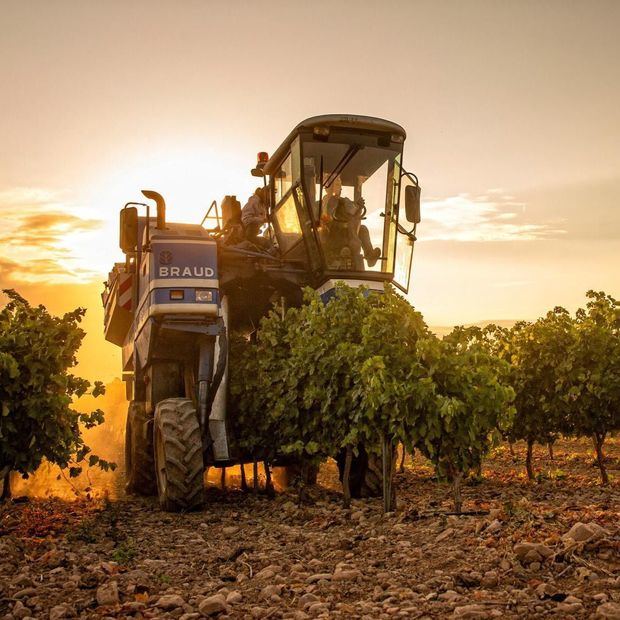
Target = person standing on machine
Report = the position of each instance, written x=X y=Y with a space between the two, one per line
x=254 y=216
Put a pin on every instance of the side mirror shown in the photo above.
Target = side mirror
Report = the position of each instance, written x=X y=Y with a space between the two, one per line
x=412 y=203
x=129 y=229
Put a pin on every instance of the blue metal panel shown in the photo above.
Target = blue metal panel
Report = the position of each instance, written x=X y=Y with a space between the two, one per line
x=184 y=260
x=162 y=295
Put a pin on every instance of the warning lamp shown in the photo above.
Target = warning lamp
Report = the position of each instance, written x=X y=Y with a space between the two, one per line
x=177 y=295
x=321 y=133
x=262 y=159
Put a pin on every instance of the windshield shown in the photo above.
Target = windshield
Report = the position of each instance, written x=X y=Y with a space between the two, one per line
x=352 y=187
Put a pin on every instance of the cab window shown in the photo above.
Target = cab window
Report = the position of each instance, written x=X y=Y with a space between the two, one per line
x=352 y=202
x=286 y=220
x=284 y=179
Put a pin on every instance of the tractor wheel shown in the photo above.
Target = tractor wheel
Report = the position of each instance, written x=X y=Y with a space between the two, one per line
x=178 y=455
x=292 y=473
x=366 y=477
x=139 y=462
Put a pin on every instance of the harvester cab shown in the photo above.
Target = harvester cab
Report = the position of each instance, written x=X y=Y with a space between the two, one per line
x=335 y=194
x=339 y=207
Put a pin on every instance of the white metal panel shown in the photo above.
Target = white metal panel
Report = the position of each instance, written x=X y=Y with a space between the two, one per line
x=217 y=418
x=184 y=283
x=197 y=308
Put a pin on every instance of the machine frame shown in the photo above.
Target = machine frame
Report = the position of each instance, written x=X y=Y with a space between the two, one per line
x=190 y=286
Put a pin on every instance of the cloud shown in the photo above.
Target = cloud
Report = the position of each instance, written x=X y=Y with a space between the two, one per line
x=39 y=235
x=493 y=216
x=44 y=230
x=45 y=270
x=8 y=267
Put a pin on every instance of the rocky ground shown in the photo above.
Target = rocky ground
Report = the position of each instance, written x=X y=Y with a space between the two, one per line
x=550 y=548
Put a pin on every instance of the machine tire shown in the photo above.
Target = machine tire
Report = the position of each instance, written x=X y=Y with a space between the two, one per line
x=179 y=464
x=139 y=460
x=292 y=472
x=366 y=477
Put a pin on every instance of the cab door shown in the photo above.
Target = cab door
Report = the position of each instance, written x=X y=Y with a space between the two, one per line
x=405 y=236
x=291 y=216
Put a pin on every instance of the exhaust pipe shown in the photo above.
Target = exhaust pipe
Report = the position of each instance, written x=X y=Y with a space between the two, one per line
x=161 y=207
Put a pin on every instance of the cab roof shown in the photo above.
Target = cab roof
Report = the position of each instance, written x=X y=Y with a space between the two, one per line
x=348 y=121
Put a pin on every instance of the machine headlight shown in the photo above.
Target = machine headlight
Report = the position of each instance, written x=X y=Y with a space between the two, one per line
x=203 y=295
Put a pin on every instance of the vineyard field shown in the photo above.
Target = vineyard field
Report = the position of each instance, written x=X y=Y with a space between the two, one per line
x=255 y=557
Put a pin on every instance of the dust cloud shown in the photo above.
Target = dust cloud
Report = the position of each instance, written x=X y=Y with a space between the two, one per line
x=106 y=441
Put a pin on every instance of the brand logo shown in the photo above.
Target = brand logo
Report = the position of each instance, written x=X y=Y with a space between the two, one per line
x=186 y=272
x=165 y=257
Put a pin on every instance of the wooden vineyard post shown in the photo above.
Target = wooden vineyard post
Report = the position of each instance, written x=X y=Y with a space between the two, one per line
x=387 y=454
x=346 y=487
x=5 y=477
x=528 y=460
x=599 y=439
x=255 y=477
x=244 y=482
x=269 y=488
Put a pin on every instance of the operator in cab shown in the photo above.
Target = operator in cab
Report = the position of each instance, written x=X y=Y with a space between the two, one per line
x=338 y=212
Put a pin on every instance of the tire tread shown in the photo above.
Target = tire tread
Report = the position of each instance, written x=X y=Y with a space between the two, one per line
x=177 y=425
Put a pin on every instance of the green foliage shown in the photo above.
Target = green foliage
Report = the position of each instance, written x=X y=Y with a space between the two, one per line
x=297 y=388
x=392 y=375
x=37 y=420
x=445 y=398
x=469 y=406
x=361 y=368
x=364 y=367
x=589 y=378
x=590 y=375
x=536 y=352
x=565 y=372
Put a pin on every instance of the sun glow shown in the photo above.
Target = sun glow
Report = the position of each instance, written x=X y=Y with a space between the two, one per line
x=188 y=179
x=57 y=237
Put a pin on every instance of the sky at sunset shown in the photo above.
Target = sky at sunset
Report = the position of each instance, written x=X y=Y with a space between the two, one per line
x=512 y=111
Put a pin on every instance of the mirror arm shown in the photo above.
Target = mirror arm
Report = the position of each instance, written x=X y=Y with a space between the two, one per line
x=410 y=175
x=407 y=233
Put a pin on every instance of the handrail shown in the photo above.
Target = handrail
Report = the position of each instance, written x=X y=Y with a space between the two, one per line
x=217 y=215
